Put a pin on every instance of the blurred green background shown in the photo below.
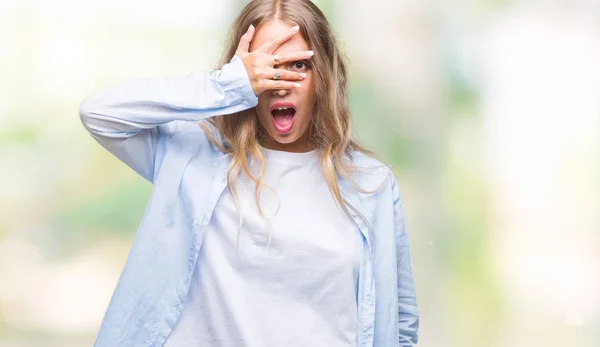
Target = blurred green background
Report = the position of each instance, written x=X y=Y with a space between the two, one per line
x=488 y=111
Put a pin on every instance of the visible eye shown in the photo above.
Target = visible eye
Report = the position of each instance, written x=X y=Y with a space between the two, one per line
x=299 y=65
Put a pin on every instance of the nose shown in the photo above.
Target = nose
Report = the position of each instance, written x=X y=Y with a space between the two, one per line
x=281 y=92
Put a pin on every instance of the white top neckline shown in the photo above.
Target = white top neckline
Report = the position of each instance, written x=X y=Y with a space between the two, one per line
x=293 y=158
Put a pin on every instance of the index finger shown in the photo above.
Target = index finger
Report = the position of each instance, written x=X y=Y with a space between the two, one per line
x=270 y=47
x=245 y=41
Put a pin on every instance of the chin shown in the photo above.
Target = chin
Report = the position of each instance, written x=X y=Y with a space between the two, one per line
x=278 y=139
x=285 y=138
x=290 y=142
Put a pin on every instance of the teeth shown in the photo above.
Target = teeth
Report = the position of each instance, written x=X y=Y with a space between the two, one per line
x=282 y=108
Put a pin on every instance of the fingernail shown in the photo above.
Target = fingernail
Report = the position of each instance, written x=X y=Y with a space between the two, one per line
x=302 y=75
x=296 y=28
x=310 y=53
x=297 y=85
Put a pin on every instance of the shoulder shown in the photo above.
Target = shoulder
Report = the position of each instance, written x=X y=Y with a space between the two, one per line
x=370 y=173
x=364 y=161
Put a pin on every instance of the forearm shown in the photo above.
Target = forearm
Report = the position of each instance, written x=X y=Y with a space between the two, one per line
x=123 y=110
x=130 y=119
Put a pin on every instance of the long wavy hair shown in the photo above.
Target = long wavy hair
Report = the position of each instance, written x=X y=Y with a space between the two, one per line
x=330 y=128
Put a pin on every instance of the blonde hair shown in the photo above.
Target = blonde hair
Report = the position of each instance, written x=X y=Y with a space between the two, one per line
x=330 y=128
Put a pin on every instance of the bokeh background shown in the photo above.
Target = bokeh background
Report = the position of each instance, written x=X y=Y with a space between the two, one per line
x=488 y=111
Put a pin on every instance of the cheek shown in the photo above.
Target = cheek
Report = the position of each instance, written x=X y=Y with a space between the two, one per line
x=308 y=95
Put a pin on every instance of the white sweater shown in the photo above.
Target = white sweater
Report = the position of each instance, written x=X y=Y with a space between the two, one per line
x=298 y=289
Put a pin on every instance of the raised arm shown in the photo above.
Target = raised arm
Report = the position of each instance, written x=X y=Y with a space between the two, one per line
x=128 y=119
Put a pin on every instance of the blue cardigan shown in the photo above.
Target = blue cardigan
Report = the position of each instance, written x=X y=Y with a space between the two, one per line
x=150 y=125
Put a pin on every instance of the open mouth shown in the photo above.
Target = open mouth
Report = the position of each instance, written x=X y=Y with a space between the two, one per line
x=283 y=117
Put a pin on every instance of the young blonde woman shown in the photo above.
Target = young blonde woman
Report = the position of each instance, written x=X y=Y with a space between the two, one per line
x=268 y=226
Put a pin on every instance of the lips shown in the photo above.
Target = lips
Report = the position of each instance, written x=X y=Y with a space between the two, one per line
x=283 y=116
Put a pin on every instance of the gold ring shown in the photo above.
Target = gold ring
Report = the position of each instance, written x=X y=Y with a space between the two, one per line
x=276 y=59
x=277 y=75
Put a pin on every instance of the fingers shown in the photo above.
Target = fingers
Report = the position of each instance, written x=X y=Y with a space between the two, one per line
x=271 y=46
x=292 y=57
x=286 y=80
x=271 y=84
x=287 y=75
x=245 y=40
x=259 y=64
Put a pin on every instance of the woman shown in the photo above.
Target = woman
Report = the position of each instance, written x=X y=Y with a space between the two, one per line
x=318 y=258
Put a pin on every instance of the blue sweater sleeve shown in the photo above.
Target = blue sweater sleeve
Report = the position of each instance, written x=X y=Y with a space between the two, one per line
x=129 y=119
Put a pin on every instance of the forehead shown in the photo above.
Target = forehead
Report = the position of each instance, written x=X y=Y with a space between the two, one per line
x=275 y=29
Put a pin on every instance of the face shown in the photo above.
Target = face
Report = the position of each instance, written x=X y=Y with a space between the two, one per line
x=284 y=138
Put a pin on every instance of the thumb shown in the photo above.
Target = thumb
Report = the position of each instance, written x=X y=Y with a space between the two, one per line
x=244 y=44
